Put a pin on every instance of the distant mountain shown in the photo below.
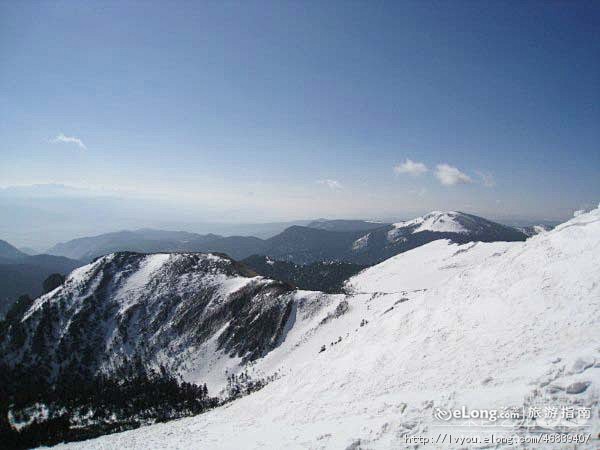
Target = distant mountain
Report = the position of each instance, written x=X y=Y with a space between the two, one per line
x=260 y=230
x=326 y=276
x=304 y=245
x=24 y=274
x=296 y=243
x=143 y=241
x=458 y=227
x=337 y=240
x=345 y=225
x=9 y=252
x=28 y=250
x=238 y=247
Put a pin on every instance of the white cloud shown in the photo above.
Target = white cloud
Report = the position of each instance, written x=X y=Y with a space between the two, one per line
x=69 y=140
x=449 y=175
x=487 y=178
x=331 y=184
x=411 y=167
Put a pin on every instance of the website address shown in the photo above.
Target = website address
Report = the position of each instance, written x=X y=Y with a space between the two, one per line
x=492 y=439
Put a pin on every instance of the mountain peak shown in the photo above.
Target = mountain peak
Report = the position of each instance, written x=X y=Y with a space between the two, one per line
x=9 y=251
x=439 y=221
x=455 y=225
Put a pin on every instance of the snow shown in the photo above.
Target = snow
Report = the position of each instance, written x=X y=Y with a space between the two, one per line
x=437 y=221
x=139 y=288
x=137 y=282
x=424 y=267
x=75 y=279
x=228 y=285
x=362 y=242
x=37 y=412
x=443 y=326
x=208 y=364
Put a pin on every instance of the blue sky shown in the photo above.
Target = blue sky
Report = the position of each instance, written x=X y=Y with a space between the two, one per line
x=258 y=111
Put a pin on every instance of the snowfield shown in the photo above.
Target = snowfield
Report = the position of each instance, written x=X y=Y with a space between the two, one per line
x=425 y=267
x=441 y=327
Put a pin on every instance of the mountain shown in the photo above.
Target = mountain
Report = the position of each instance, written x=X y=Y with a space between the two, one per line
x=458 y=227
x=144 y=241
x=28 y=251
x=237 y=247
x=301 y=244
x=263 y=230
x=438 y=331
x=358 y=242
x=163 y=309
x=326 y=276
x=304 y=245
x=345 y=225
x=24 y=274
x=9 y=252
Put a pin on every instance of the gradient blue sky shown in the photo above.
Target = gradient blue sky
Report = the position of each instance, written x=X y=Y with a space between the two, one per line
x=261 y=111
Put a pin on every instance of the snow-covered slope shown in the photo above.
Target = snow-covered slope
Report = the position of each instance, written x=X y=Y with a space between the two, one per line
x=489 y=326
x=535 y=229
x=424 y=267
x=195 y=314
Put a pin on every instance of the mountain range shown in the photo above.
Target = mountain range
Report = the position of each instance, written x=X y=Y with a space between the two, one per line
x=428 y=331
x=353 y=241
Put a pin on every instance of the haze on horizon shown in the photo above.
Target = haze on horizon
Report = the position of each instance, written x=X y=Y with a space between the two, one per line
x=127 y=115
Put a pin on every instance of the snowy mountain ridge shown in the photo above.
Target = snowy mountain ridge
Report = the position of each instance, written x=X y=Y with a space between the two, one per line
x=452 y=222
x=489 y=326
x=161 y=309
x=439 y=221
x=353 y=241
x=386 y=242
